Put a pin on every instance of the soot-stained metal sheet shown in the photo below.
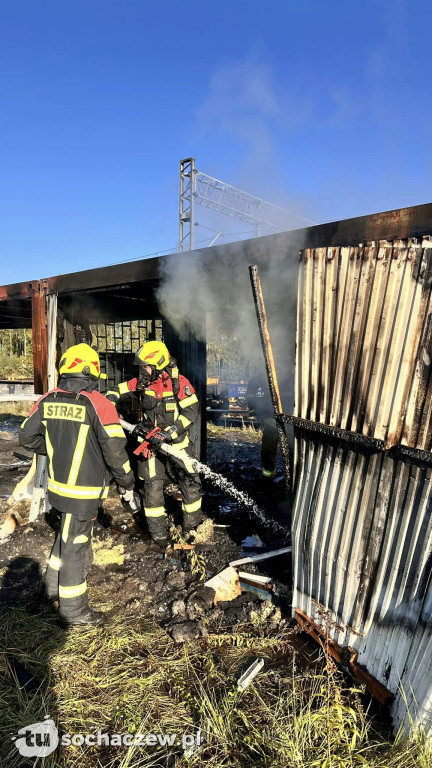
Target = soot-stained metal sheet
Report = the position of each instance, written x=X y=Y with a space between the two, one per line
x=362 y=520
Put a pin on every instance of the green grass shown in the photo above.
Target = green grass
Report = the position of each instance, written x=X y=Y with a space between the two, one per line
x=130 y=677
x=15 y=366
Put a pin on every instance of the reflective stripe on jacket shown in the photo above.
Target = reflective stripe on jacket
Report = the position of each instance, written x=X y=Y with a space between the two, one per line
x=83 y=440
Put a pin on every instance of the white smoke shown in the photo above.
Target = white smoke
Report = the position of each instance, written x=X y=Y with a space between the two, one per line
x=245 y=108
x=217 y=281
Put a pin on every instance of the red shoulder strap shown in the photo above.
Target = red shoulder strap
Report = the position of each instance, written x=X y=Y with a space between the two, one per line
x=104 y=408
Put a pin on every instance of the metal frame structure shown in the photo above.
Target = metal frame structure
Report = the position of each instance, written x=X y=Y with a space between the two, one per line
x=197 y=188
x=118 y=342
x=187 y=204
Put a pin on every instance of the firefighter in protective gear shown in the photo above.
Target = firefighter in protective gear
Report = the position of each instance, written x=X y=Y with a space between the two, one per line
x=78 y=430
x=169 y=402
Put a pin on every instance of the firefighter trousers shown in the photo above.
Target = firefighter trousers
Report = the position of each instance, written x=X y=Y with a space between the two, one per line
x=153 y=472
x=70 y=558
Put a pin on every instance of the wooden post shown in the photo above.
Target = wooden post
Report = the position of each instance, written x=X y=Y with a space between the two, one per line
x=39 y=332
x=271 y=371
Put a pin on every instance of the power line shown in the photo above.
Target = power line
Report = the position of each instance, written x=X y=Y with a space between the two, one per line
x=169 y=250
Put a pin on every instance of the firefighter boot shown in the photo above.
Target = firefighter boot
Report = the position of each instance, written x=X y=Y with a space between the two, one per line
x=162 y=543
x=159 y=536
x=191 y=521
x=158 y=529
x=90 y=618
x=78 y=612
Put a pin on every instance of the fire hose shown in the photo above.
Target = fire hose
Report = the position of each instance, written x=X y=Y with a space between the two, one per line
x=193 y=465
x=169 y=450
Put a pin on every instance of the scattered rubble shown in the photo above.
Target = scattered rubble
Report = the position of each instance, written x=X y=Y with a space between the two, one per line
x=266 y=614
x=176 y=580
x=178 y=608
x=199 y=602
x=187 y=630
x=7 y=527
x=225 y=584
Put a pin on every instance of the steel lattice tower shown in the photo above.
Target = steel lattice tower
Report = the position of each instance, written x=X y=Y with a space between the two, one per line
x=197 y=188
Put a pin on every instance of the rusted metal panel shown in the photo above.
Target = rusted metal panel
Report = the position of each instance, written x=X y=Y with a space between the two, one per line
x=16 y=291
x=118 y=274
x=346 y=657
x=362 y=519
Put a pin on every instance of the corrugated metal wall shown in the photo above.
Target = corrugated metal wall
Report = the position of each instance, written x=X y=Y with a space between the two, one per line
x=362 y=522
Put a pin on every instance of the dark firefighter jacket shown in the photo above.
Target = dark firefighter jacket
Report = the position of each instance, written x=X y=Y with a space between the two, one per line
x=81 y=435
x=167 y=403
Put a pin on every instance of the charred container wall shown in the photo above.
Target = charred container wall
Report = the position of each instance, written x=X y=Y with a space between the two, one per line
x=362 y=522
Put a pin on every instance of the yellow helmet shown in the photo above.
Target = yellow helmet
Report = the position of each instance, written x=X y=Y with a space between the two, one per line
x=153 y=353
x=81 y=361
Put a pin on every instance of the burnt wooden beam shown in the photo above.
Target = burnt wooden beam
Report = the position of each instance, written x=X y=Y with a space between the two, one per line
x=40 y=344
x=326 y=429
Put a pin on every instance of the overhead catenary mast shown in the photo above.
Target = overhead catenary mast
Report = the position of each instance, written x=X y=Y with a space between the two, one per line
x=197 y=188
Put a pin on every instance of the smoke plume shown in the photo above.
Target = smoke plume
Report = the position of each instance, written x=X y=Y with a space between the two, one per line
x=217 y=281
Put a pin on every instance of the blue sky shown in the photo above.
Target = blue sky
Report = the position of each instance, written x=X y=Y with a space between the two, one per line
x=321 y=107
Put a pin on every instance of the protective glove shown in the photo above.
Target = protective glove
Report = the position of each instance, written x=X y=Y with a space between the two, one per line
x=138 y=431
x=131 y=501
x=158 y=438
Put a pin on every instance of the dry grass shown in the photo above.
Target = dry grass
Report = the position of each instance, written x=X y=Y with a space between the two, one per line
x=130 y=677
x=103 y=555
x=15 y=410
x=247 y=433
